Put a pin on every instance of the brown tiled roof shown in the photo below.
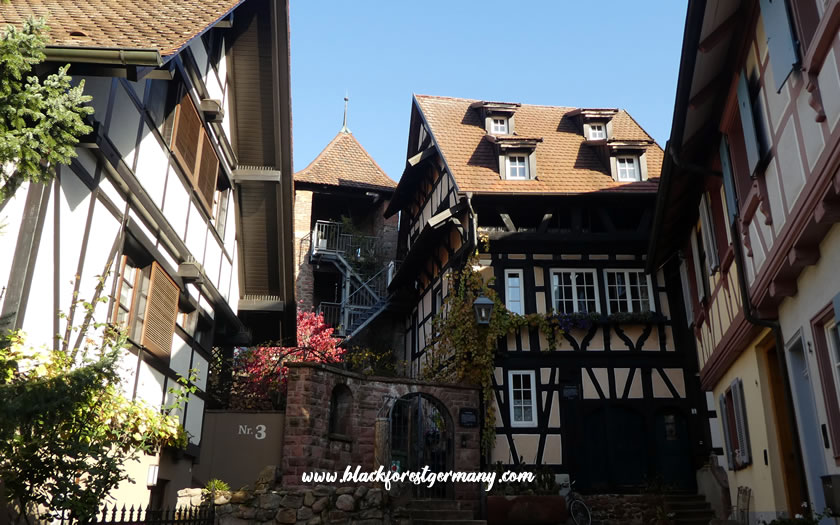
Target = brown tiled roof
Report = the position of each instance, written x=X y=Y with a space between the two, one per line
x=344 y=162
x=164 y=25
x=564 y=163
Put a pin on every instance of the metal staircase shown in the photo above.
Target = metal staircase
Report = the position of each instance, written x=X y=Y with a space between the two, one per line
x=364 y=291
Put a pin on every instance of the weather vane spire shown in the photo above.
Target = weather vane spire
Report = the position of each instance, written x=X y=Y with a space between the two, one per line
x=344 y=128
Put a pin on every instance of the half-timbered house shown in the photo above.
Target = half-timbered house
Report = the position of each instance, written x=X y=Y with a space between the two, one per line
x=565 y=197
x=748 y=208
x=177 y=210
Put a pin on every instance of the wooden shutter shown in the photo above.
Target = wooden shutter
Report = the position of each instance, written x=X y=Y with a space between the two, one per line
x=185 y=140
x=208 y=169
x=192 y=146
x=708 y=231
x=727 y=442
x=748 y=122
x=686 y=293
x=780 y=41
x=161 y=312
x=728 y=182
x=699 y=274
x=744 y=455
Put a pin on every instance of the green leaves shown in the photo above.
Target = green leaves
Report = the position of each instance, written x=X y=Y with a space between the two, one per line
x=40 y=120
x=66 y=429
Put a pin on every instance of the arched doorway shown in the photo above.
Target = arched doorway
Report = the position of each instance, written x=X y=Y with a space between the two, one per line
x=422 y=436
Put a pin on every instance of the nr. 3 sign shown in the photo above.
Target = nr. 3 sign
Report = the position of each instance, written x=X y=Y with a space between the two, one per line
x=258 y=431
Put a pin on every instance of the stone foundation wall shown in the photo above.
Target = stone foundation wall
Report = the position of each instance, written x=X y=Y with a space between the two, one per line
x=321 y=505
x=624 y=509
x=309 y=446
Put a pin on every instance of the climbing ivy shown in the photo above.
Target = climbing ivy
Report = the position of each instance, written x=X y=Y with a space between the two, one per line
x=462 y=351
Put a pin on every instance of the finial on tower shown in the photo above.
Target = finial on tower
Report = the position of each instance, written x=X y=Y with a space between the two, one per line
x=344 y=128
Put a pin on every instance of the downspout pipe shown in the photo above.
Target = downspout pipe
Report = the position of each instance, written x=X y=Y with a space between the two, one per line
x=751 y=317
x=772 y=324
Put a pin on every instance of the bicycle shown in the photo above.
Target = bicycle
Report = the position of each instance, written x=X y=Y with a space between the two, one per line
x=577 y=510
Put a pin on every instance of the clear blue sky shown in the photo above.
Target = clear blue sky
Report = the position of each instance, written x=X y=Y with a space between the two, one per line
x=604 y=53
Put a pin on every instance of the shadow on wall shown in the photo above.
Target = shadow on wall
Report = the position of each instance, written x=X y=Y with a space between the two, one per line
x=236 y=446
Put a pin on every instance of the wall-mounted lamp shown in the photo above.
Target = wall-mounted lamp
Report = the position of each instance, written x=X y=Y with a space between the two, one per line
x=483 y=309
x=152 y=475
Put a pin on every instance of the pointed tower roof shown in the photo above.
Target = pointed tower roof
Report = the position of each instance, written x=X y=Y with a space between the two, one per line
x=345 y=163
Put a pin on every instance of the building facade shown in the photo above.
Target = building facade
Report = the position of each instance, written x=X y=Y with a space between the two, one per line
x=163 y=213
x=563 y=200
x=748 y=209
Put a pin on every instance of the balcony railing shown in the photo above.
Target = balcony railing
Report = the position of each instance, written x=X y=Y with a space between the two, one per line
x=332 y=237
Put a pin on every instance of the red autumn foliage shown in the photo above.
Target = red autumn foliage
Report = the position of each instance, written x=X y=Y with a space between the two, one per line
x=259 y=377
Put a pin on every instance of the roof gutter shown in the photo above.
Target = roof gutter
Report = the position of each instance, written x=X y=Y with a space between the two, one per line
x=691 y=39
x=99 y=55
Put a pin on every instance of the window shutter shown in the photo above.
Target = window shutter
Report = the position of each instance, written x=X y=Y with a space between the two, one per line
x=730 y=461
x=744 y=455
x=161 y=312
x=728 y=181
x=208 y=169
x=748 y=122
x=686 y=293
x=699 y=275
x=185 y=142
x=780 y=40
x=708 y=228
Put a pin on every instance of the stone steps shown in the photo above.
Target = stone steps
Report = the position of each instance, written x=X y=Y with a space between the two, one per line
x=439 y=512
x=689 y=509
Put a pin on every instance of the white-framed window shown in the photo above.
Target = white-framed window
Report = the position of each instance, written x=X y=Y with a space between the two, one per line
x=513 y=291
x=574 y=290
x=597 y=132
x=523 y=398
x=628 y=291
x=627 y=169
x=517 y=167
x=499 y=126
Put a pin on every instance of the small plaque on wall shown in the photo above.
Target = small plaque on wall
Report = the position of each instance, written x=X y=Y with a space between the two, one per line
x=468 y=417
x=570 y=392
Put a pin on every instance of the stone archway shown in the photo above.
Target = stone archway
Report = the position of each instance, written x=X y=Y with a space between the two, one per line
x=422 y=435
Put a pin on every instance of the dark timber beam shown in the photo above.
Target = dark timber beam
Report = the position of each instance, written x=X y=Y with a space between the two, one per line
x=544 y=223
x=508 y=222
x=706 y=92
x=719 y=34
x=801 y=257
x=827 y=213
x=423 y=155
x=783 y=288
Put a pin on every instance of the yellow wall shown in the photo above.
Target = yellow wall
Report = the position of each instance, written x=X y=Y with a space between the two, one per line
x=766 y=481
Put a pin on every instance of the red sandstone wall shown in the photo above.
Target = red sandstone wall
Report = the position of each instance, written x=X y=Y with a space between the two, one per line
x=308 y=447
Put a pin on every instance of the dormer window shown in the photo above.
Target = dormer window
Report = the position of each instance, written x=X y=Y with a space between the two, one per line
x=627 y=169
x=516 y=167
x=499 y=126
x=597 y=132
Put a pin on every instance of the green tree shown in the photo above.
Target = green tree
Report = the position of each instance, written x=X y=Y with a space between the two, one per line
x=40 y=119
x=66 y=430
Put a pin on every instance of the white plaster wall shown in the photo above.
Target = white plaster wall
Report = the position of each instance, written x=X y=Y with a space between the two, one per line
x=176 y=203
x=151 y=166
x=195 y=417
x=180 y=358
x=40 y=308
x=150 y=385
x=74 y=206
x=10 y=220
x=125 y=125
x=196 y=234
